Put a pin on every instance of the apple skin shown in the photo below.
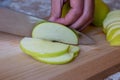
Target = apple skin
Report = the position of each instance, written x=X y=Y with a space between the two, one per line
x=115 y=43
x=116 y=40
x=101 y=11
x=66 y=8
x=115 y=36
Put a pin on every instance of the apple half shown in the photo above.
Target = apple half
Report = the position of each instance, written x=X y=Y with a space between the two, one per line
x=55 y=32
x=43 y=48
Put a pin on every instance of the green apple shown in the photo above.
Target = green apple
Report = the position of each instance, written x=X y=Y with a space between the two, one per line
x=55 y=32
x=114 y=13
x=65 y=9
x=113 y=16
x=43 y=48
x=110 y=20
x=114 y=36
x=112 y=31
x=115 y=43
x=106 y=28
x=101 y=11
x=65 y=58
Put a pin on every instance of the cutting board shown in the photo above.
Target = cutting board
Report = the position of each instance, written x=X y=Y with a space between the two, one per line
x=93 y=59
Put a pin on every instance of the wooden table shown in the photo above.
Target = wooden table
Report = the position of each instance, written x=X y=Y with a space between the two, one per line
x=93 y=59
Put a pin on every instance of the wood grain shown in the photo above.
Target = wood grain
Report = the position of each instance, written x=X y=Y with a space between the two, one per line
x=93 y=59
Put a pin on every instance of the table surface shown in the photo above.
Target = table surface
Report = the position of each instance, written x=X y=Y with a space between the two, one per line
x=93 y=59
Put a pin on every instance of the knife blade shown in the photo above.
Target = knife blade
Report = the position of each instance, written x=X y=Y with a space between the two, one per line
x=21 y=24
x=85 y=39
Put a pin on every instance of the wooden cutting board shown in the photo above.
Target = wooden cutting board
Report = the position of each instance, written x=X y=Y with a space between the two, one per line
x=93 y=59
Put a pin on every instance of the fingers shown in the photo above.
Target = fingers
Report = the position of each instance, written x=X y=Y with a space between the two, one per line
x=86 y=17
x=74 y=13
x=56 y=9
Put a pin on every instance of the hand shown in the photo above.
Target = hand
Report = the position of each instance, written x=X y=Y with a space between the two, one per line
x=79 y=16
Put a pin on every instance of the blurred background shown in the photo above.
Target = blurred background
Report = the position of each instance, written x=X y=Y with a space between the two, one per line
x=41 y=8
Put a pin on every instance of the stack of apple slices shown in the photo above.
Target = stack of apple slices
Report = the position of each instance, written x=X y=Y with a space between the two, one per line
x=51 y=43
x=111 y=26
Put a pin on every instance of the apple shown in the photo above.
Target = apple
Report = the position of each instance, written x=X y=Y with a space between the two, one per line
x=114 y=13
x=106 y=28
x=112 y=31
x=65 y=58
x=111 y=19
x=101 y=11
x=55 y=32
x=43 y=48
x=113 y=16
x=51 y=43
x=65 y=9
x=115 y=43
x=49 y=52
x=111 y=26
x=115 y=36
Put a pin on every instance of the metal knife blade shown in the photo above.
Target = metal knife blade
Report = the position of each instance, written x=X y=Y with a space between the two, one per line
x=85 y=39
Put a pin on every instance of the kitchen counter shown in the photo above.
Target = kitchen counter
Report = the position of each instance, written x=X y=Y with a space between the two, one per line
x=93 y=59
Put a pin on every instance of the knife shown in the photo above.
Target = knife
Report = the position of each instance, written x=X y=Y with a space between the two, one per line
x=21 y=24
x=84 y=39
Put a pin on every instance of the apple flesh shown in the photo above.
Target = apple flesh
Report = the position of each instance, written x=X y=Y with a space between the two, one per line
x=43 y=48
x=55 y=32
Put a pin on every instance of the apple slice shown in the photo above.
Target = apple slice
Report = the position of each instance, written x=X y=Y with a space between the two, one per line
x=106 y=29
x=110 y=20
x=112 y=16
x=55 y=32
x=114 y=12
x=65 y=58
x=43 y=48
x=112 y=31
x=115 y=36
